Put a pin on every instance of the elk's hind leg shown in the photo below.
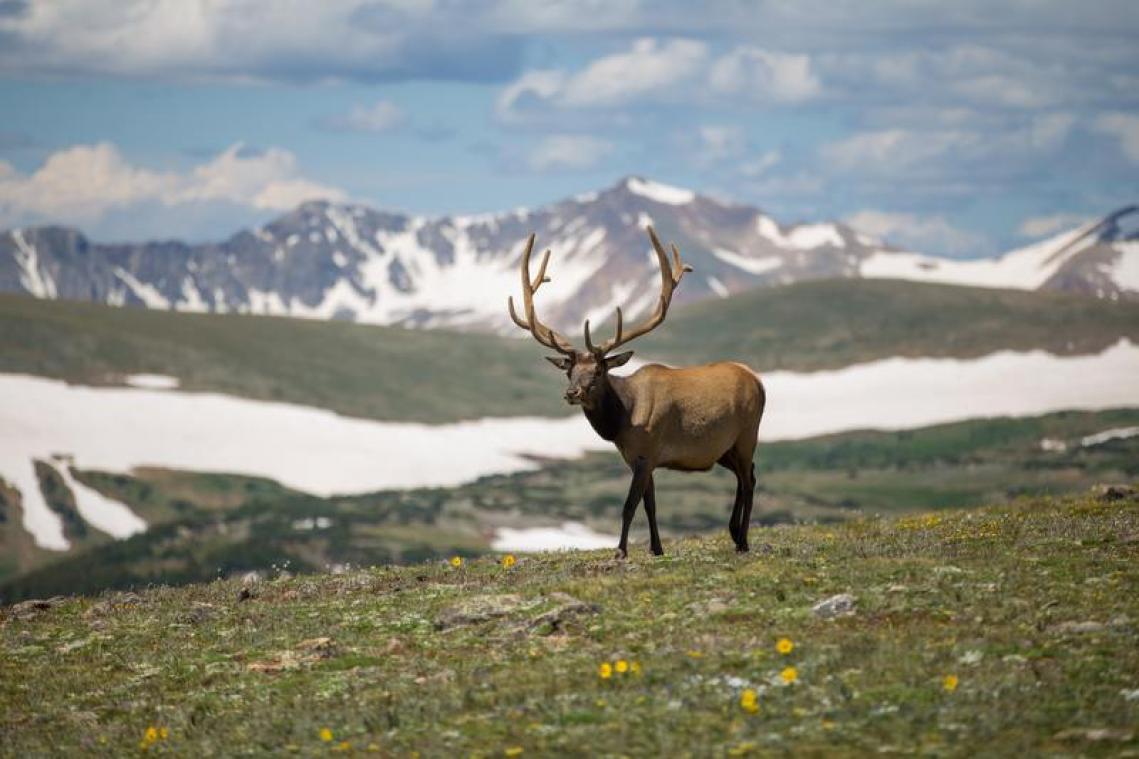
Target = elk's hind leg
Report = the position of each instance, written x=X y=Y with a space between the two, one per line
x=651 y=513
x=745 y=475
x=728 y=461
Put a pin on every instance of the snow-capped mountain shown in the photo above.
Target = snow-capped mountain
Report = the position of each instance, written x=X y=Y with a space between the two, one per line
x=1099 y=258
x=346 y=261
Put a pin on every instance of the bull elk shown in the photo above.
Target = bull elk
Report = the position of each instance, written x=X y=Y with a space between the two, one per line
x=687 y=419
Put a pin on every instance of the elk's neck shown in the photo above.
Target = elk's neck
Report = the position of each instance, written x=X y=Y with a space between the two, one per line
x=610 y=415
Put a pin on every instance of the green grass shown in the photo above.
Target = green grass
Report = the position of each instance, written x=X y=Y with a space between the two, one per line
x=210 y=525
x=437 y=376
x=834 y=323
x=356 y=370
x=1031 y=606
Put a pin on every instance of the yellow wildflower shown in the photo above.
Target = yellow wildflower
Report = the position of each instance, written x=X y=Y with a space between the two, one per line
x=949 y=683
x=784 y=646
x=635 y=667
x=151 y=734
x=749 y=701
x=622 y=666
x=789 y=675
x=513 y=751
x=343 y=746
x=508 y=560
x=695 y=654
x=325 y=735
x=456 y=561
x=163 y=733
x=605 y=670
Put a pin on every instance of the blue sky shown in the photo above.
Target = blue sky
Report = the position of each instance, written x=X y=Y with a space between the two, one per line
x=957 y=128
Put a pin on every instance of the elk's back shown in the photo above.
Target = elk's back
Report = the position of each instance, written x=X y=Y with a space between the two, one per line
x=687 y=418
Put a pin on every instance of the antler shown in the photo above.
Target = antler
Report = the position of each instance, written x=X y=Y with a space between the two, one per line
x=670 y=276
x=541 y=332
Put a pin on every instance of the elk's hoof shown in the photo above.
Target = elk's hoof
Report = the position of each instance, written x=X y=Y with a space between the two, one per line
x=742 y=549
x=621 y=554
x=658 y=551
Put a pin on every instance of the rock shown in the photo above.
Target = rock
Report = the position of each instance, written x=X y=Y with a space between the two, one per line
x=477 y=609
x=835 y=606
x=321 y=648
x=552 y=620
x=306 y=652
x=200 y=612
x=1113 y=492
x=1096 y=734
x=33 y=608
x=115 y=603
x=1079 y=628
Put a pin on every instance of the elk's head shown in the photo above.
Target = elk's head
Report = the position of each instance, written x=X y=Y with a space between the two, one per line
x=587 y=369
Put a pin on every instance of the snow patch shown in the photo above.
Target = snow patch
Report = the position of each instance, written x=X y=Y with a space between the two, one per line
x=1117 y=433
x=801 y=237
x=717 y=287
x=901 y=393
x=103 y=513
x=312 y=523
x=1025 y=268
x=569 y=536
x=36 y=281
x=750 y=265
x=661 y=193
x=148 y=294
x=1125 y=271
x=152 y=381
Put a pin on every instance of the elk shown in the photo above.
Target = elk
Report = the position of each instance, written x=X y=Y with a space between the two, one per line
x=686 y=419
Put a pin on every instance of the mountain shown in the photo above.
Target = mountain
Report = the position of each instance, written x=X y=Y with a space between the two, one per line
x=1099 y=258
x=342 y=261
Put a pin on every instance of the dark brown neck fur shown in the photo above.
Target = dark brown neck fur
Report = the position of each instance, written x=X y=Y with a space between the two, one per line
x=610 y=415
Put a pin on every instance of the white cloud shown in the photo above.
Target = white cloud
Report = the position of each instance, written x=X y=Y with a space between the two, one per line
x=668 y=71
x=568 y=151
x=255 y=40
x=761 y=165
x=1125 y=126
x=895 y=149
x=763 y=75
x=964 y=148
x=717 y=142
x=921 y=233
x=83 y=183
x=648 y=69
x=1040 y=226
x=381 y=116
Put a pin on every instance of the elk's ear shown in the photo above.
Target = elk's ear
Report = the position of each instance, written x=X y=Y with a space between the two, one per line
x=562 y=362
x=612 y=362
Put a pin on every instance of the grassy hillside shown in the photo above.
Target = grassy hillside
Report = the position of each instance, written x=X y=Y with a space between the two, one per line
x=435 y=376
x=834 y=323
x=1001 y=631
x=357 y=370
x=210 y=525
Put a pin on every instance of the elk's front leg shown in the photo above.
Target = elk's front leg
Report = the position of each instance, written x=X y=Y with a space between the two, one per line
x=641 y=473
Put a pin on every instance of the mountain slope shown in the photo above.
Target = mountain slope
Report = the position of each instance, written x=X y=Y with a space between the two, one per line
x=332 y=261
x=1099 y=258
